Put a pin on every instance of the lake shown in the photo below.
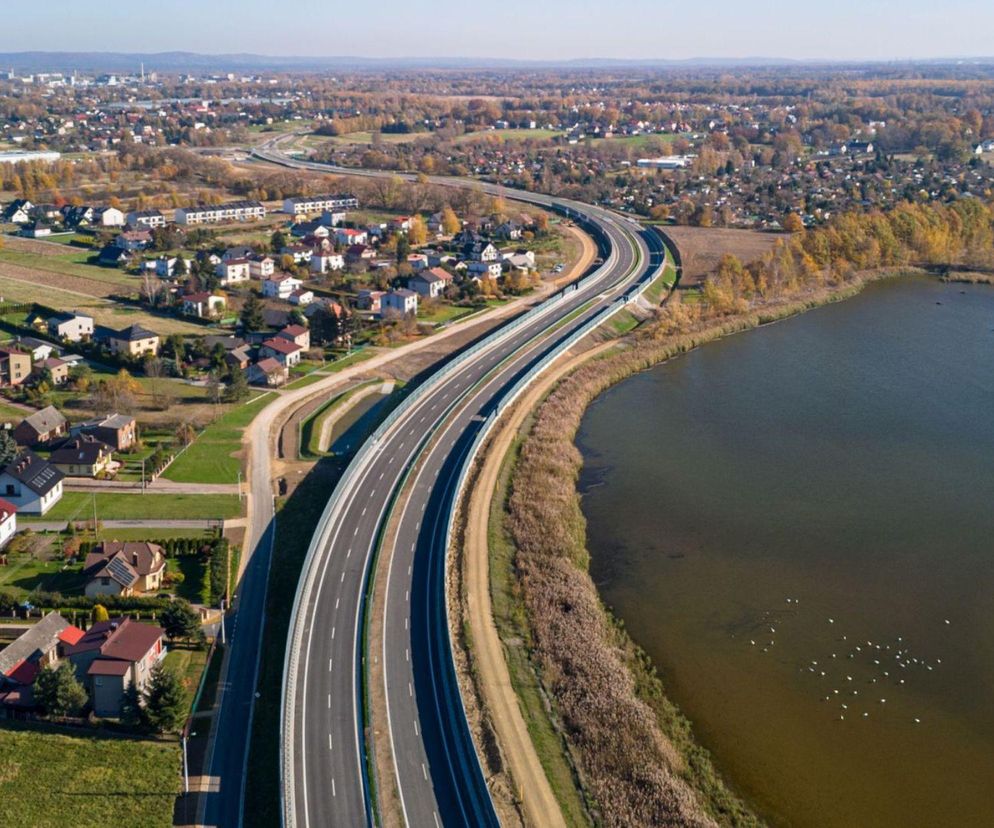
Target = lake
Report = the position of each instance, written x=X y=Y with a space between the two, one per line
x=797 y=524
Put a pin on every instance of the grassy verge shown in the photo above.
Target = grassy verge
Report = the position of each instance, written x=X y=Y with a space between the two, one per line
x=295 y=523
x=210 y=458
x=188 y=663
x=135 y=506
x=48 y=778
x=310 y=429
x=512 y=626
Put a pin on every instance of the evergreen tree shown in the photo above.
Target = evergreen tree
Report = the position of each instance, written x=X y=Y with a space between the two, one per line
x=8 y=448
x=180 y=620
x=237 y=388
x=165 y=707
x=133 y=708
x=58 y=691
x=251 y=315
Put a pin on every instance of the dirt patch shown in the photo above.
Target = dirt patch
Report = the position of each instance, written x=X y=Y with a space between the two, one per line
x=68 y=284
x=701 y=248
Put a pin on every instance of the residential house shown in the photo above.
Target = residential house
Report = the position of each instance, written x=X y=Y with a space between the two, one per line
x=349 y=236
x=301 y=297
x=484 y=269
x=169 y=267
x=233 y=271
x=216 y=213
x=418 y=261
x=133 y=341
x=301 y=253
x=429 y=283
x=83 y=456
x=306 y=205
x=38 y=348
x=268 y=372
x=204 y=305
x=15 y=367
x=400 y=302
x=370 y=300
x=520 y=260
x=8 y=522
x=113 y=255
x=18 y=211
x=58 y=370
x=41 y=645
x=124 y=568
x=77 y=215
x=297 y=334
x=146 y=218
x=359 y=253
x=280 y=286
x=282 y=350
x=238 y=359
x=400 y=224
x=35 y=230
x=108 y=217
x=119 y=431
x=261 y=266
x=72 y=327
x=113 y=655
x=310 y=230
x=333 y=218
x=241 y=251
x=133 y=238
x=44 y=426
x=323 y=261
x=31 y=484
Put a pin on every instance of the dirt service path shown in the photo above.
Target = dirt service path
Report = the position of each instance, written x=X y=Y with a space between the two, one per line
x=538 y=802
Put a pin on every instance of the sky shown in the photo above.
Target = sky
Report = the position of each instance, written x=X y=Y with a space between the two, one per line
x=539 y=29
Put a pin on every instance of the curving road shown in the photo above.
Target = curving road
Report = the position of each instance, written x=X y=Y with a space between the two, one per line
x=437 y=771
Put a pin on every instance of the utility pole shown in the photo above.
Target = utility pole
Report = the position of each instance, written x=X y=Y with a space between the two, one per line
x=223 y=640
x=186 y=767
x=143 y=475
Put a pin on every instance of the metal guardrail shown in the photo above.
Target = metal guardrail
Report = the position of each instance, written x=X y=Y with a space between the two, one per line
x=339 y=499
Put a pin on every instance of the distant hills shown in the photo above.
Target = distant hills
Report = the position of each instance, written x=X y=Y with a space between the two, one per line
x=176 y=62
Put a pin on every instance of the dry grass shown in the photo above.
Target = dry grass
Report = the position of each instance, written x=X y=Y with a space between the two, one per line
x=702 y=247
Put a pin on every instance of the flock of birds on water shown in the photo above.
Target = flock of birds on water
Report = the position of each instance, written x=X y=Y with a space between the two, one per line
x=859 y=672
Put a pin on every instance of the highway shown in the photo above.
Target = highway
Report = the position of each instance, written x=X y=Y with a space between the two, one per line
x=424 y=444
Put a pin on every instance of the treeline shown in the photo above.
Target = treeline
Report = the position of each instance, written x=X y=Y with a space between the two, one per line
x=922 y=235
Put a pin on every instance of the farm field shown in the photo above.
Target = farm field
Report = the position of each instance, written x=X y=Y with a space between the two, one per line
x=22 y=285
x=135 y=506
x=51 y=779
x=509 y=135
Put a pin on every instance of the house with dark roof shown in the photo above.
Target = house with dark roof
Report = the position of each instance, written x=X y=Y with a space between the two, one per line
x=134 y=341
x=119 y=431
x=42 y=427
x=124 y=568
x=113 y=655
x=83 y=456
x=74 y=327
x=41 y=645
x=33 y=485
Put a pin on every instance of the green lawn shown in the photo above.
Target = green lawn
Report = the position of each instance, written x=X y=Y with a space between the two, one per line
x=11 y=413
x=25 y=573
x=444 y=312
x=194 y=587
x=350 y=359
x=310 y=429
x=52 y=780
x=209 y=459
x=367 y=137
x=74 y=263
x=135 y=506
x=304 y=381
x=188 y=664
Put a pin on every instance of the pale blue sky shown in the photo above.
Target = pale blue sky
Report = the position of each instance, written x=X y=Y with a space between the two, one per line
x=550 y=29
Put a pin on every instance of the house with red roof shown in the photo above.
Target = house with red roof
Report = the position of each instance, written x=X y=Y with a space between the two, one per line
x=267 y=372
x=298 y=334
x=111 y=656
x=284 y=351
x=43 y=644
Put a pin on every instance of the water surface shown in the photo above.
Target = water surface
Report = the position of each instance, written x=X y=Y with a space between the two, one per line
x=797 y=523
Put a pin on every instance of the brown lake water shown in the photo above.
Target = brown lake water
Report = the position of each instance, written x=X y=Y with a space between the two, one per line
x=797 y=524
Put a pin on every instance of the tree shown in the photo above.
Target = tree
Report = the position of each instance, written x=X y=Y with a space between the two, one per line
x=180 y=620
x=99 y=613
x=792 y=223
x=165 y=706
x=8 y=448
x=417 y=234
x=278 y=241
x=215 y=389
x=58 y=691
x=238 y=387
x=133 y=707
x=450 y=222
x=251 y=315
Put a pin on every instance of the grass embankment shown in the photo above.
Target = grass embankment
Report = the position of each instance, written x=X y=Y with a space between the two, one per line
x=188 y=663
x=134 y=506
x=635 y=753
x=311 y=428
x=51 y=780
x=296 y=520
x=211 y=457
x=512 y=625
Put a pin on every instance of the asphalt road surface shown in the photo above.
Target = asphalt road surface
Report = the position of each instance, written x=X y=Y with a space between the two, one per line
x=437 y=771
